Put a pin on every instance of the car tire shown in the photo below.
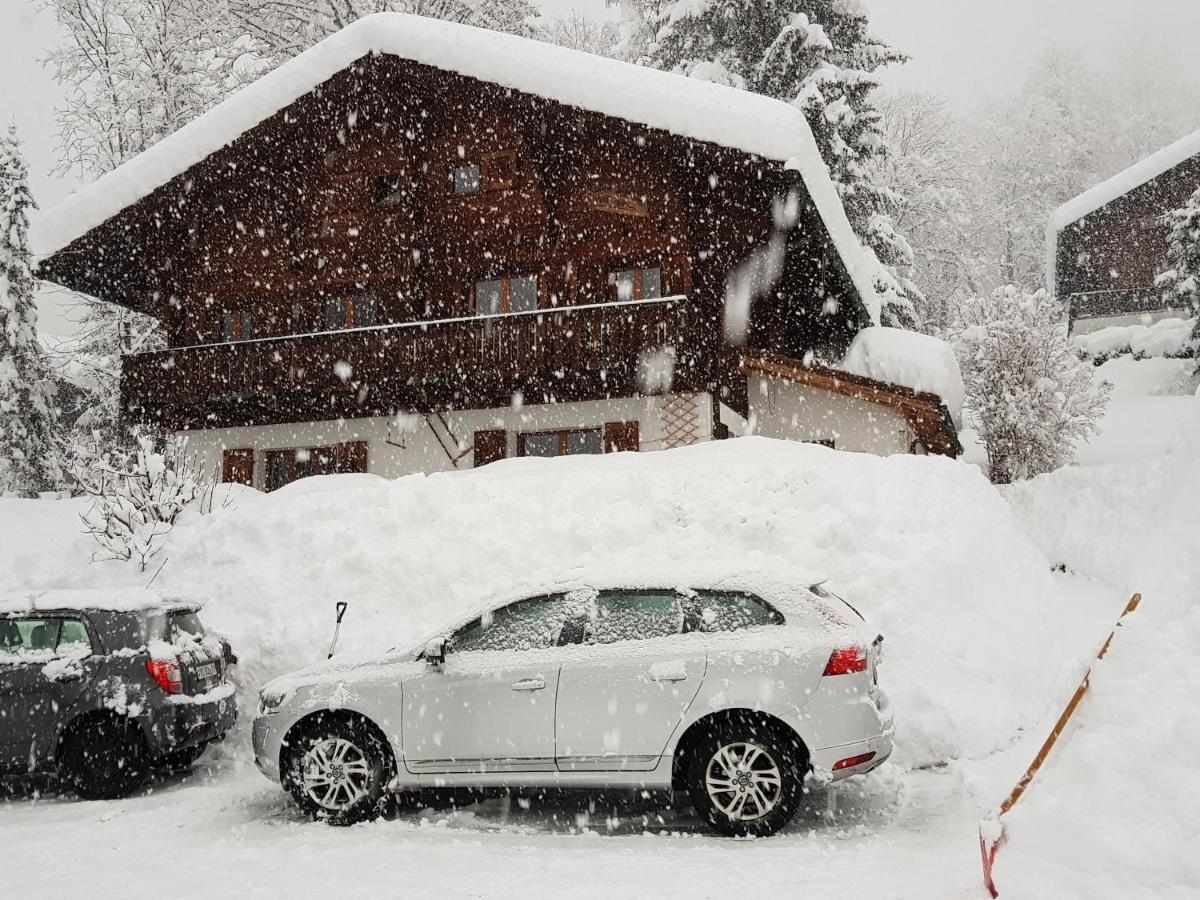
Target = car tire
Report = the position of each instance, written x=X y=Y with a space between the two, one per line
x=745 y=779
x=338 y=770
x=104 y=759
x=181 y=760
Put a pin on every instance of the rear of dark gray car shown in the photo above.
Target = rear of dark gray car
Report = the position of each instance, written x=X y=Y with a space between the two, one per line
x=102 y=695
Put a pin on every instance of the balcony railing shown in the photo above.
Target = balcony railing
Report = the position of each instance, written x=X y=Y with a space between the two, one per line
x=572 y=352
x=1117 y=302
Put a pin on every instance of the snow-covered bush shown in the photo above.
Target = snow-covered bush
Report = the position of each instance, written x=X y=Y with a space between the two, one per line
x=1180 y=278
x=1029 y=394
x=137 y=496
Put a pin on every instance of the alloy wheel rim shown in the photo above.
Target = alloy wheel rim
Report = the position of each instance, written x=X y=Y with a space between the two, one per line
x=743 y=781
x=335 y=774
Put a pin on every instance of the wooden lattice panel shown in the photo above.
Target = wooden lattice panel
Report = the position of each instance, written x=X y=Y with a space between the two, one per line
x=680 y=421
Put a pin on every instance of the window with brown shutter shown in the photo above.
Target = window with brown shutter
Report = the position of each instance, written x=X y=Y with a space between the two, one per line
x=237 y=467
x=490 y=446
x=621 y=437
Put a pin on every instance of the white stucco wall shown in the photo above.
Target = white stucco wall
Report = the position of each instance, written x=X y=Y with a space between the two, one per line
x=404 y=445
x=789 y=411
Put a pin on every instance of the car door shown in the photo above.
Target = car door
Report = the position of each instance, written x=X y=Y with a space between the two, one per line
x=490 y=708
x=46 y=662
x=620 y=700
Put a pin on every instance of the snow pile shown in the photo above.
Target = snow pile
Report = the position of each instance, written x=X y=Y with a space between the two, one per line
x=974 y=622
x=1114 y=813
x=910 y=359
x=1166 y=337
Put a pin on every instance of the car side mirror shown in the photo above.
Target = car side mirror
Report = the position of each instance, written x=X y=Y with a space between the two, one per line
x=435 y=652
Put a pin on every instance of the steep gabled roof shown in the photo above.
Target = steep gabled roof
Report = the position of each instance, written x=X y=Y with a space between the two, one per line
x=688 y=107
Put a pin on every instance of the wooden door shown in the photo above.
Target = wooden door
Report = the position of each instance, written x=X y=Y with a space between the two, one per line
x=490 y=446
x=237 y=467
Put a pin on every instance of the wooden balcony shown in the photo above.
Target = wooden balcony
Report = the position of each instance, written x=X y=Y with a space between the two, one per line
x=570 y=353
x=1121 y=302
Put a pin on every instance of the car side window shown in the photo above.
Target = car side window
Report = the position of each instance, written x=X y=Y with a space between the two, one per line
x=712 y=611
x=39 y=639
x=636 y=615
x=533 y=624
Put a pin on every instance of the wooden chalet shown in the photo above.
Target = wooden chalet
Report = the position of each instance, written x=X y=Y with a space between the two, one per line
x=422 y=246
x=1108 y=244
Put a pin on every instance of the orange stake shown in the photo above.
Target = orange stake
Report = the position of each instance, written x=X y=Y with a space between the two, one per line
x=991 y=829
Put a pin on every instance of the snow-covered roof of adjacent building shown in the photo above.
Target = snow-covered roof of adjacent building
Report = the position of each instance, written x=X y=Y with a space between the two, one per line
x=688 y=107
x=1123 y=182
x=910 y=359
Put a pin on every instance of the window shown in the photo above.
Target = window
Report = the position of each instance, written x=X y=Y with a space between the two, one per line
x=560 y=443
x=490 y=446
x=237 y=467
x=349 y=312
x=38 y=639
x=518 y=293
x=637 y=284
x=726 y=611
x=285 y=466
x=388 y=190
x=466 y=179
x=237 y=325
x=534 y=624
x=637 y=615
x=499 y=170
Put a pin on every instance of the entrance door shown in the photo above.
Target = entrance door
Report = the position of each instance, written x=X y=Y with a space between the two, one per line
x=491 y=708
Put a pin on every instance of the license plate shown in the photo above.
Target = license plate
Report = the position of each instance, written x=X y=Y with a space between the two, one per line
x=207 y=670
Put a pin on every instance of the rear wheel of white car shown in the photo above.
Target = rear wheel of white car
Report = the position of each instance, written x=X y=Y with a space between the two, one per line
x=338 y=771
x=745 y=779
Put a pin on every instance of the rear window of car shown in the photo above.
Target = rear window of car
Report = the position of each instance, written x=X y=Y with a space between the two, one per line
x=710 y=611
x=184 y=623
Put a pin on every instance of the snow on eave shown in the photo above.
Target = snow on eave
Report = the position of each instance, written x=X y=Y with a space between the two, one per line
x=1123 y=182
x=703 y=111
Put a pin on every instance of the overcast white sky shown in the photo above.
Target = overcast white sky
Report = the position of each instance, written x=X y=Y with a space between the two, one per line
x=964 y=49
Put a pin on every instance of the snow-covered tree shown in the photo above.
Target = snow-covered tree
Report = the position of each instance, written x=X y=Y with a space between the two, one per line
x=280 y=29
x=1180 y=279
x=580 y=31
x=29 y=444
x=1029 y=394
x=817 y=54
x=137 y=496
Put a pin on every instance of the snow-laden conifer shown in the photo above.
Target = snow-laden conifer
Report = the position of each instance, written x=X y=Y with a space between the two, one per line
x=29 y=446
x=1180 y=278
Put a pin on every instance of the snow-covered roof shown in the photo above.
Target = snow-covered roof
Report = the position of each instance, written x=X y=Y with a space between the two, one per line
x=911 y=359
x=111 y=599
x=1123 y=182
x=689 y=107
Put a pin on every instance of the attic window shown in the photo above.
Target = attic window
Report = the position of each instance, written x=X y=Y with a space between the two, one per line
x=466 y=179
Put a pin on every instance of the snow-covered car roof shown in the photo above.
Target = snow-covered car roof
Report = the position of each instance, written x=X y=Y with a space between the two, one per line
x=688 y=107
x=107 y=600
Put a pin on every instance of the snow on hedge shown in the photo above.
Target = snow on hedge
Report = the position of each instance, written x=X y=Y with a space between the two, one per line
x=689 y=107
x=910 y=359
x=974 y=622
x=1166 y=337
x=1114 y=814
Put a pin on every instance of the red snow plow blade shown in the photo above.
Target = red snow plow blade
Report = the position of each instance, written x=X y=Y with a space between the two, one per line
x=991 y=829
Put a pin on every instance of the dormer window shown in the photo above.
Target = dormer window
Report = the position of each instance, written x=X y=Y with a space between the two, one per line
x=637 y=284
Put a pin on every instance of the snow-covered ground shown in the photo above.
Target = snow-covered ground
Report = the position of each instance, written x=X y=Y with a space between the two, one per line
x=984 y=644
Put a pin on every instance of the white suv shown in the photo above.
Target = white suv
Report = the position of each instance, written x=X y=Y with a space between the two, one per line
x=730 y=690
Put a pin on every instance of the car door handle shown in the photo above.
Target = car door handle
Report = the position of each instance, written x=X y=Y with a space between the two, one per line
x=529 y=684
x=667 y=676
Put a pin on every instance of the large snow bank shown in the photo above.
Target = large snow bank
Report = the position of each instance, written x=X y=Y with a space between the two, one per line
x=911 y=359
x=690 y=107
x=1114 y=814
x=974 y=622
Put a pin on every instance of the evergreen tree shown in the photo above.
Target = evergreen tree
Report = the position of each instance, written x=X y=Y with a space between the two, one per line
x=819 y=55
x=1180 y=279
x=29 y=451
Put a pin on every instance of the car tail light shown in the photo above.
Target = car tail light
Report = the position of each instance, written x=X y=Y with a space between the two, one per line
x=166 y=674
x=846 y=661
x=851 y=761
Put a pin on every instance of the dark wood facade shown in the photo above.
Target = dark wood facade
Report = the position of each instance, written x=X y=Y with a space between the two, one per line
x=1106 y=262
x=328 y=262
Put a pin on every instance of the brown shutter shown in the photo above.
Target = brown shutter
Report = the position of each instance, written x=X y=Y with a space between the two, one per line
x=621 y=437
x=351 y=457
x=490 y=446
x=237 y=467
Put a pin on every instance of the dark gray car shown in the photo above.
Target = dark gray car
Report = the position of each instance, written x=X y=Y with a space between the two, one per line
x=103 y=690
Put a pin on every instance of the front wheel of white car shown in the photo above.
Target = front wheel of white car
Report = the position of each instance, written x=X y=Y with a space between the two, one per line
x=745 y=780
x=338 y=771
